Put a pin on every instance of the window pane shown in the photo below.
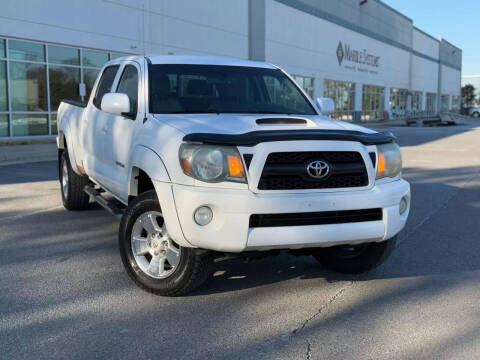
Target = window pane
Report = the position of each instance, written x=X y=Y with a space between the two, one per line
x=128 y=84
x=53 y=124
x=89 y=77
x=63 y=85
x=27 y=84
x=63 y=55
x=94 y=58
x=3 y=86
x=116 y=55
x=3 y=125
x=2 y=48
x=105 y=84
x=26 y=51
x=29 y=124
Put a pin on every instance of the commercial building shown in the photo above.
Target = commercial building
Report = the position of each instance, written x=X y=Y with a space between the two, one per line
x=368 y=57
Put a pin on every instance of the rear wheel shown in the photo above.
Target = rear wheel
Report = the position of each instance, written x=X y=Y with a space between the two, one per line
x=355 y=259
x=72 y=185
x=152 y=258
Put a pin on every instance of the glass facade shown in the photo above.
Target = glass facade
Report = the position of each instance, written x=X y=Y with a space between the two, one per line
x=445 y=102
x=2 y=48
x=343 y=95
x=431 y=107
x=35 y=77
x=63 y=55
x=306 y=83
x=456 y=103
x=29 y=124
x=373 y=103
x=416 y=102
x=3 y=86
x=63 y=84
x=4 y=125
x=28 y=86
x=398 y=103
x=22 y=50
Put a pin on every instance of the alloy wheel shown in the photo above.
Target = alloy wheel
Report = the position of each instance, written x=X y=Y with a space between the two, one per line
x=155 y=252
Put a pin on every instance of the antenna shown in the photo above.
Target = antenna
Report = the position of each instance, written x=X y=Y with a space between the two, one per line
x=143 y=30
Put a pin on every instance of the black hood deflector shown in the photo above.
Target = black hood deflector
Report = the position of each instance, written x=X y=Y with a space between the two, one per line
x=256 y=137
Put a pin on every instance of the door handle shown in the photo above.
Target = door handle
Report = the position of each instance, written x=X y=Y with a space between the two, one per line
x=104 y=130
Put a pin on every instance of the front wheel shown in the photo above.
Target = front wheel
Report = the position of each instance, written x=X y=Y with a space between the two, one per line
x=152 y=258
x=355 y=259
x=476 y=114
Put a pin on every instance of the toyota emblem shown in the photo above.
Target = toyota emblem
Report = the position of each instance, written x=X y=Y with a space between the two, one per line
x=318 y=169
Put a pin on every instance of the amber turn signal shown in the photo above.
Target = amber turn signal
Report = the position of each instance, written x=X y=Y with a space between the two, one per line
x=381 y=163
x=235 y=166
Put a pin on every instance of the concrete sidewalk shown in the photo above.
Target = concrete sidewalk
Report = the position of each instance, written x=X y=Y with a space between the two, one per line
x=25 y=153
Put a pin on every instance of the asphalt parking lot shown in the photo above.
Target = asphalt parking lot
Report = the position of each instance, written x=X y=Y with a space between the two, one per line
x=64 y=293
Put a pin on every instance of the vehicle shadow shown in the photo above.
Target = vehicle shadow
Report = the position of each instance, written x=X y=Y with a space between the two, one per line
x=28 y=173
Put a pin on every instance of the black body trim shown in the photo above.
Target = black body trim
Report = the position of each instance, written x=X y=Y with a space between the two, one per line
x=75 y=103
x=149 y=69
x=315 y=218
x=256 y=137
x=280 y=121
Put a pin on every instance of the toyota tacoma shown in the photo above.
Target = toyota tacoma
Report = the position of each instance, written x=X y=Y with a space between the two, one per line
x=206 y=157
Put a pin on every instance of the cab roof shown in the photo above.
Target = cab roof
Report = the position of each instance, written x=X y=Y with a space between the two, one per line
x=197 y=60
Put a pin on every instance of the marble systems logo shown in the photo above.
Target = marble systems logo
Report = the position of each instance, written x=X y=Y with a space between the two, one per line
x=345 y=52
x=340 y=53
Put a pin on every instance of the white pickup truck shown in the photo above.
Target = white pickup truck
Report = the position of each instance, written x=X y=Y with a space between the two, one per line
x=207 y=157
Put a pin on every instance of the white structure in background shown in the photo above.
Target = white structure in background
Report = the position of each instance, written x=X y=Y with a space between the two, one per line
x=365 y=55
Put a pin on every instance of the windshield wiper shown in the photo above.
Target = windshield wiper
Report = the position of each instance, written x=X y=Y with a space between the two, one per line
x=268 y=112
x=203 y=111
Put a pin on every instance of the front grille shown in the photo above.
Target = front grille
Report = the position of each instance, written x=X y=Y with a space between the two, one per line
x=315 y=218
x=288 y=171
x=248 y=159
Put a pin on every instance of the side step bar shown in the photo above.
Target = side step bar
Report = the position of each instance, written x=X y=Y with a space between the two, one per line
x=110 y=205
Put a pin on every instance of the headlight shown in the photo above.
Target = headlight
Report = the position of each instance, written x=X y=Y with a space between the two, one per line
x=389 y=160
x=212 y=163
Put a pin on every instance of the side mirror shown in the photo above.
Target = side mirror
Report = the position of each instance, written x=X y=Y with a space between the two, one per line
x=326 y=105
x=114 y=103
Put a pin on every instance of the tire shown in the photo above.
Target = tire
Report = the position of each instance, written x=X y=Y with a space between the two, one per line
x=476 y=114
x=72 y=185
x=185 y=273
x=357 y=259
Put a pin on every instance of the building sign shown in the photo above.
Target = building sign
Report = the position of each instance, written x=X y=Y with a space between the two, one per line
x=357 y=60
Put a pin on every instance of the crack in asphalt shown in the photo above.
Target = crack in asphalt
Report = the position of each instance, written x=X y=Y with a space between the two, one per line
x=323 y=307
x=309 y=350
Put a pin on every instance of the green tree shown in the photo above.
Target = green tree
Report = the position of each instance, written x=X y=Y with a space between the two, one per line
x=468 y=95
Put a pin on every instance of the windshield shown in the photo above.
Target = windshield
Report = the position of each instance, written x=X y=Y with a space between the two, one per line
x=183 y=89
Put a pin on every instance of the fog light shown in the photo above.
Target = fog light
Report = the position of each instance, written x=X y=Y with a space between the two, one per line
x=203 y=215
x=402 y=207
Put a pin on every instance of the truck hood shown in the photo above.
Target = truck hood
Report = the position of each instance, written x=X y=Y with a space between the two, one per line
x=243 y=123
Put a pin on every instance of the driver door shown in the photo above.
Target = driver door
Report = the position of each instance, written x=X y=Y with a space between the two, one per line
x=122 y=129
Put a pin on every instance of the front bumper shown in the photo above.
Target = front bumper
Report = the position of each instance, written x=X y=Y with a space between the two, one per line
x=229 y=230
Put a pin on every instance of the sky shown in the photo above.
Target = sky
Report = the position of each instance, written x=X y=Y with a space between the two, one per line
x=457 y=21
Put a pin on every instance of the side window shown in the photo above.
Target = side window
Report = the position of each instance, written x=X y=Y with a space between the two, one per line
x=128 y=84
x=105 y=85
